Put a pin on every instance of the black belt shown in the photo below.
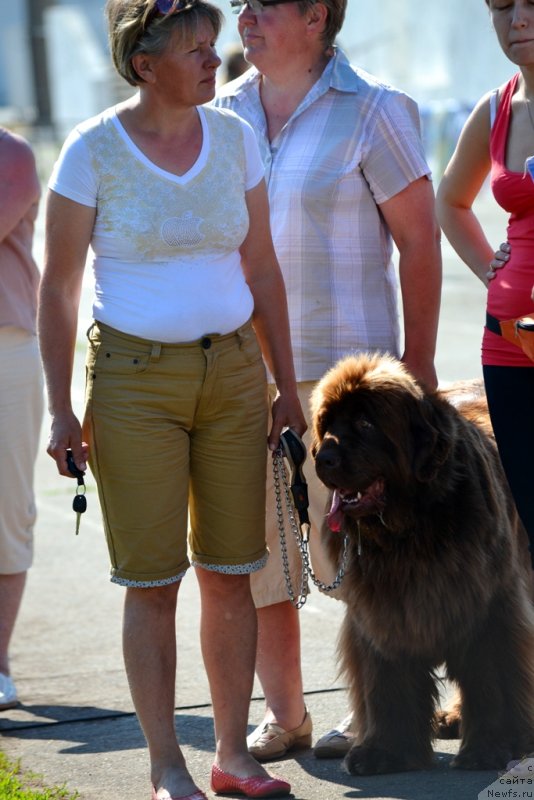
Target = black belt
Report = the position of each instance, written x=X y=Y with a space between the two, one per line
x=493 y=324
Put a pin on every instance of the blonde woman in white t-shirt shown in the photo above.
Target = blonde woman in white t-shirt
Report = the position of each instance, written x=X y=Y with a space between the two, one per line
x=188 y=302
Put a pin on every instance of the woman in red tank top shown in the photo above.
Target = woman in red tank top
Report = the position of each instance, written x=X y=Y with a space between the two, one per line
x=498 y=139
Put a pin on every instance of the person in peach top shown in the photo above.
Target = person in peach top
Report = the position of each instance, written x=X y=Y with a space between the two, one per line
x=21 y=393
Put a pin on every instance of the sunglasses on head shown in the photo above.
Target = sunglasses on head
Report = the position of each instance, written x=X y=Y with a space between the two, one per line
x=257 y=6
x=165 y=7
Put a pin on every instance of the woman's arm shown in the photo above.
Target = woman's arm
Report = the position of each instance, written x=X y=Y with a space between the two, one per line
x=69 y=227
x=19 y=184
x=271 y=323
x=461 y=183
x=410 y=216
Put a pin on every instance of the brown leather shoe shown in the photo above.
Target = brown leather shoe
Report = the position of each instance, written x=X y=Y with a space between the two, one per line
x=271 y=741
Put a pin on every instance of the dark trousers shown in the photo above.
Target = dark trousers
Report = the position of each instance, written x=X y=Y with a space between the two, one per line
x=510 y=393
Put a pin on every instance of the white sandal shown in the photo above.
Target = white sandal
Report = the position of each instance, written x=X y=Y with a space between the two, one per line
x=8 y=693
x=337 y=742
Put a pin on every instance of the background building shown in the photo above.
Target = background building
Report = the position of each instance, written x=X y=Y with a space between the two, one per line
x=55 y=69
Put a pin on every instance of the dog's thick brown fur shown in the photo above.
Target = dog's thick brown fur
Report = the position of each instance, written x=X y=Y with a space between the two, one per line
x=438 y=568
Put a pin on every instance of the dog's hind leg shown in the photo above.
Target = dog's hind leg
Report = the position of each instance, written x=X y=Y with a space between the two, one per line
x=448 y=721
x=496 y=676
x=394 y=703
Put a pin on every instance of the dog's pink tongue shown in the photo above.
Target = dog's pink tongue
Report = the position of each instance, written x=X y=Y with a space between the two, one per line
x=335 y=515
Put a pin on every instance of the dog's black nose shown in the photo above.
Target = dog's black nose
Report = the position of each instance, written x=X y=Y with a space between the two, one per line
x=327 y=459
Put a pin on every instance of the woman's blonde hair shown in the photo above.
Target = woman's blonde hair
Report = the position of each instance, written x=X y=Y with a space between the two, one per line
x=135 y=26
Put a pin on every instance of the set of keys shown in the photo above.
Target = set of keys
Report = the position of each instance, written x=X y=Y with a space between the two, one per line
x=79 y=504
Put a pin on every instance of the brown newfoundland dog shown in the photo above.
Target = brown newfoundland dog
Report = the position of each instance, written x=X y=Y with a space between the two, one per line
x=438 y=571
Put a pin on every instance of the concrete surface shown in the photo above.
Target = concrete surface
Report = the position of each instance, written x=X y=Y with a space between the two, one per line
x=76 y=723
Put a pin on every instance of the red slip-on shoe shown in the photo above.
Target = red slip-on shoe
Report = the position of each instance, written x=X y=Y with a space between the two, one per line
x=255 y=786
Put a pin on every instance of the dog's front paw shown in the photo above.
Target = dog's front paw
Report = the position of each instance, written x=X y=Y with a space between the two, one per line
x=369 y=760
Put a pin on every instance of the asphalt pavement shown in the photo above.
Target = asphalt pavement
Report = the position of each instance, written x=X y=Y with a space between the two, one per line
x=76 y=724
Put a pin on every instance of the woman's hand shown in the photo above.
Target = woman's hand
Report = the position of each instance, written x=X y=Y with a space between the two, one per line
x=66 y=433
x=502 y=255
x=287 y=413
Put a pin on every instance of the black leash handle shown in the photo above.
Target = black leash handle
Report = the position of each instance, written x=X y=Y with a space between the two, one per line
x=294 y=451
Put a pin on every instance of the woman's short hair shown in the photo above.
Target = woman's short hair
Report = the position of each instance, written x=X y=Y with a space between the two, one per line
x=336 y=16
x=135 y=26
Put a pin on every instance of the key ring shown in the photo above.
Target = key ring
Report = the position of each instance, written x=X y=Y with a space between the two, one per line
x=79 y=504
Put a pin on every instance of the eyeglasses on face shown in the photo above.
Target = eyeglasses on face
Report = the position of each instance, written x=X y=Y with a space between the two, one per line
x=257 y=6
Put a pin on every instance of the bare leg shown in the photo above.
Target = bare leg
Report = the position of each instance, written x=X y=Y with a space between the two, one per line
x=278 y=619
x=149 y=644
x=281 y=678
x=11 y=591
x=228 y=639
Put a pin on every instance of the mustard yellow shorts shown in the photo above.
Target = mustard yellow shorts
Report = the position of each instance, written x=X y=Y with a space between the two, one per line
x=172 y=430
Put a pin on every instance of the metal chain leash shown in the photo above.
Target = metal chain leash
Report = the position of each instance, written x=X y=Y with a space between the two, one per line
x=298 y=598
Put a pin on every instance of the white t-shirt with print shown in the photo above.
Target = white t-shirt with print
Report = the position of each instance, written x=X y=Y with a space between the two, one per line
x=166 y=247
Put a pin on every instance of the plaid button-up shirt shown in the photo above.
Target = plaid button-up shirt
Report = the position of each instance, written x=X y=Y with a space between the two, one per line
x=352 y=144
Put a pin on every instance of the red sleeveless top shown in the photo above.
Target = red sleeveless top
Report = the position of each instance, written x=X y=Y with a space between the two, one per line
x=509 y=292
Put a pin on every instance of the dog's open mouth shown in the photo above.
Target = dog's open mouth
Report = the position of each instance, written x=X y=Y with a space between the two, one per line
x=357 y=504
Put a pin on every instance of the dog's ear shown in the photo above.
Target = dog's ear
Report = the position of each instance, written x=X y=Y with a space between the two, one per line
x=316 y=438
x=318 y=412
x=431 y=432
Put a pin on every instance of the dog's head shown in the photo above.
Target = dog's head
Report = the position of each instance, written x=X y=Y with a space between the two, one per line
x=378 y=437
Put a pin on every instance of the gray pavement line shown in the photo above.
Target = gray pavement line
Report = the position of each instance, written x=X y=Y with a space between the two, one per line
x=26 y=726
